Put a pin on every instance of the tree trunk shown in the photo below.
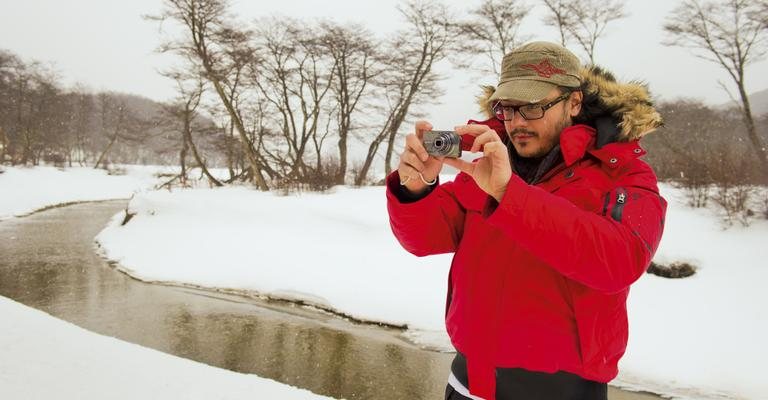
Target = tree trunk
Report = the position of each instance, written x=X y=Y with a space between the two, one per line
x=196 y=154
x=361 y=175
x=230 y=155
x=373 y=148
x=183 y=161
x=28 y=153
x=397 y=121
x=104 y=153
x=3 y=145
x=256 y=169
x=760 y=149
x=342 y=160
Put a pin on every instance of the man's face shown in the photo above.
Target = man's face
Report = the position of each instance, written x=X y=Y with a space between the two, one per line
x=535 y=138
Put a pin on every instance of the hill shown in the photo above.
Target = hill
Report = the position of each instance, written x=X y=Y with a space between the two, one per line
x=758 y=101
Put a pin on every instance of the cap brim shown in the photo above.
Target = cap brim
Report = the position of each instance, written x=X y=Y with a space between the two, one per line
x=522 y=90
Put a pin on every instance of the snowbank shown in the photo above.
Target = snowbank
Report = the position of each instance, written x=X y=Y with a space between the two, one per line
x=24 y=190
x=334 y=250
x=46 y=358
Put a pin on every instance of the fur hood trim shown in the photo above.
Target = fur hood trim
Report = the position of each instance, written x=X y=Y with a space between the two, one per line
x=629 y=104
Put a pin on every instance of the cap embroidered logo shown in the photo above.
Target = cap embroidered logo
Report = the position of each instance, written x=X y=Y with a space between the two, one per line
x=544 y=69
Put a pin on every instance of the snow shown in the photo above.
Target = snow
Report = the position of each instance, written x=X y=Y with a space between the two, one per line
x=25 y=190
x=694 y=338
x=332 y=250
x=46 y=358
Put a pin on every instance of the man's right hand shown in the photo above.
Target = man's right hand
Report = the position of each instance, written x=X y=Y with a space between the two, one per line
x=414 y=160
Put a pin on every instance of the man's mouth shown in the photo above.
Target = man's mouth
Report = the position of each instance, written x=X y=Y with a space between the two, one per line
x=522 y=135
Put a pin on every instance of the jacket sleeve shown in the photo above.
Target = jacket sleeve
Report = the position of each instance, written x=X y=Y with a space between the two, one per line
x=429 y=225
x=606 y=251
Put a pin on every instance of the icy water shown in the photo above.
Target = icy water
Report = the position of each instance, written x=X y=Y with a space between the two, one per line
x=48 y=261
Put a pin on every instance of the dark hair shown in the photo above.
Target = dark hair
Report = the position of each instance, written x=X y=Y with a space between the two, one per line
x=592 y=106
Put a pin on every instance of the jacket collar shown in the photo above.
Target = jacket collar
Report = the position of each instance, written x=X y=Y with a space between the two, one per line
x=577 y=140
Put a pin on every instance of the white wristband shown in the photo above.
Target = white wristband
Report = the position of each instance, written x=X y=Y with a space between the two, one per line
x=434 y=180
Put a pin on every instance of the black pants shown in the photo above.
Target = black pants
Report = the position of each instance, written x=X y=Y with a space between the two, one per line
x=521 y=384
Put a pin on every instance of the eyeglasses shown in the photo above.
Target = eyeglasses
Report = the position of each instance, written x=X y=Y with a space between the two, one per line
x=527 y=111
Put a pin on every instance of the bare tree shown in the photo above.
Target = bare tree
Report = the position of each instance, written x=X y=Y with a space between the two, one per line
x=295 y=76
x=118 y=123
x=20 y=135
x=226 y=143
x=409 y=76
x=583 y=20
x=7 y=60
x=493 y=31
x=83 y=111
x=558 y=17
x=354 y=53
x=218 y=51
x=38 y=114
x=732 y=34
x=184 y=112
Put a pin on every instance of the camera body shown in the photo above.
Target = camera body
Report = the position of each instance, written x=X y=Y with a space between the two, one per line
x=442 y=143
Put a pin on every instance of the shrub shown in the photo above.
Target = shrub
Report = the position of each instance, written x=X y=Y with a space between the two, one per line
x=674 y=270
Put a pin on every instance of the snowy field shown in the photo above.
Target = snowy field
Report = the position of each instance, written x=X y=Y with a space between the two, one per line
x=694 y=338
x=46 y=358
x=24 y=190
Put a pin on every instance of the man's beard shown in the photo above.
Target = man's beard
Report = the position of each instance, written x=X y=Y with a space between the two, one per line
x=564 y=122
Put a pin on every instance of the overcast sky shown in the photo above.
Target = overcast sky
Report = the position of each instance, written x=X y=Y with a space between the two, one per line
x=106 y=45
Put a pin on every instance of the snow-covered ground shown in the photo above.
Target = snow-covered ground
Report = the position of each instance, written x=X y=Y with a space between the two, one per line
x=24 y=190
x=334 y=250
x=46 y=358
x=695 y=338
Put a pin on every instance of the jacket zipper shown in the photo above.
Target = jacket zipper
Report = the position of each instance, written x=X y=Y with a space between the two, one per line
x=618 y=207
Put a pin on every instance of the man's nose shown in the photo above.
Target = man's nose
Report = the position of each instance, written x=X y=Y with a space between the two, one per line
x=517 y=121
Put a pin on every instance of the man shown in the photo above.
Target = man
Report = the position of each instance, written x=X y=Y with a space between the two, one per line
x=549 y=227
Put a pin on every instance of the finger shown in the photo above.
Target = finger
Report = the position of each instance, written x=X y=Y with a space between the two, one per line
x=421 y=127
x=460 y=164
x=411 y=159
x=483 y=139
x=413 y=143
x=496 y=152
x=472 y=129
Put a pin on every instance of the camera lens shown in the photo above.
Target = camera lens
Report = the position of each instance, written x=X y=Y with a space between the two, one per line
x=442 y=143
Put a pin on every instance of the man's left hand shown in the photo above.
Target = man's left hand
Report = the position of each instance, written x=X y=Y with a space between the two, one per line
x=492 y=171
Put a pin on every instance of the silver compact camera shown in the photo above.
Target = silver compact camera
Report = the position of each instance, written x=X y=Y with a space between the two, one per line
x=442 y=143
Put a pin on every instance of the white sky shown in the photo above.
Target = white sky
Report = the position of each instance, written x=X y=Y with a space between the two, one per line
x=106 y=45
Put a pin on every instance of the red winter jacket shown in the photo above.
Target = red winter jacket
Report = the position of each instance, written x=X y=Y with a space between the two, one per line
x=540 y=280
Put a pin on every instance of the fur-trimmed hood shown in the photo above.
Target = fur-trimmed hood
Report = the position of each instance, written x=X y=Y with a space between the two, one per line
x=620 y=112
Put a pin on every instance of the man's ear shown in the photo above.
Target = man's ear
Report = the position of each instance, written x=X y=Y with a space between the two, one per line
x=575 y=102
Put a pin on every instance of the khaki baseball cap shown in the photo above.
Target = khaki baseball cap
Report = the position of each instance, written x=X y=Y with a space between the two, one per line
x=531 y=71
